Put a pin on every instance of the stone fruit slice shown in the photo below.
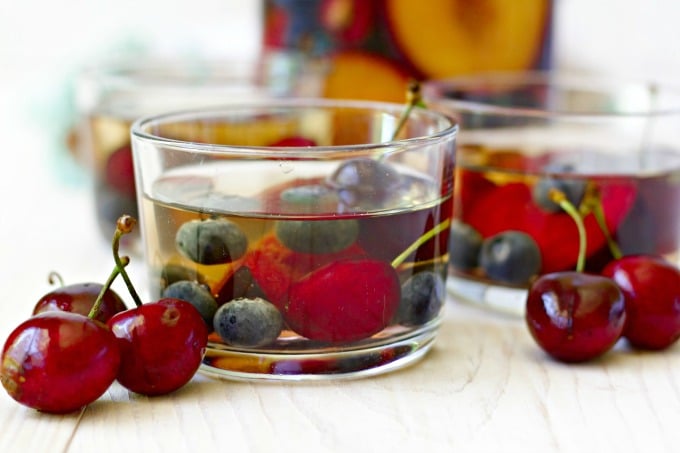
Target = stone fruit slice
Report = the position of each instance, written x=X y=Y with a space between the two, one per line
x=443 y=38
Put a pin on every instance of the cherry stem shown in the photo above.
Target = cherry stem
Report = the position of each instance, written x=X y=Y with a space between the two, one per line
x=414 y=98
x=109 y=281
x=420 y=241
x=124 y=225
x=595 y=204
x=54 y=276
x=559 y=197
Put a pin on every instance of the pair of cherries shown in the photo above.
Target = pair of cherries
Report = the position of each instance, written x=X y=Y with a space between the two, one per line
x=576 y=316
x=81 y=338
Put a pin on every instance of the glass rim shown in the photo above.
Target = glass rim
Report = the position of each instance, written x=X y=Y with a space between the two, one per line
x=559 y=80
x=448 y=131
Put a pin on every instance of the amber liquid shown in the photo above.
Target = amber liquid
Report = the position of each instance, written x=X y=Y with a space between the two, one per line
x=233 y=191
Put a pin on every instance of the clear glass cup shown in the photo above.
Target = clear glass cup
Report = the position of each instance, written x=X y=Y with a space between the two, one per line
x=611 y=146
x=112 y=94
x=322 y=239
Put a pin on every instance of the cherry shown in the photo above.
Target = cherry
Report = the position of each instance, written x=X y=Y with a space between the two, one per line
x=344 y=301
x=80 y=298
x=58 y=361
x=575 y=316
x=571 y=315
x=352 y=299
x=161 y=343
x=651 y=287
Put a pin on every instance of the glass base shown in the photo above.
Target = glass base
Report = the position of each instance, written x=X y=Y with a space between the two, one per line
x=500 y=299
x=318 y=366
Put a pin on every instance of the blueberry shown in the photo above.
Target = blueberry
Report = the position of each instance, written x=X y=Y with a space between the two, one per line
x=422 y=297
x=197 y=295
x=309 y=198
x=464 y=245
x=248 y=322
x=171 y=273
x=574 y=189
x=510 y=257
x=211 y=241
x=317 y=236
x=365 y=183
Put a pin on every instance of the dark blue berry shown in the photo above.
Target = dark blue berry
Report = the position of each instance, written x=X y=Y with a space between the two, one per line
x=573 y=189
x=510 y=257
x=248 y=322
x=464 y=245
x=365 y=183
x=211 y=241
x=197 y=295
x=171 y=273
x=317 y=236
x=422 y=297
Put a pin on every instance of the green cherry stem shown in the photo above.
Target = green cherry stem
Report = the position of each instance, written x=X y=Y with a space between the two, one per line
x=420 y=241
x=124 y=225
x=559 y=197
x=100 y=297
x=595 y=204
x=414 y=98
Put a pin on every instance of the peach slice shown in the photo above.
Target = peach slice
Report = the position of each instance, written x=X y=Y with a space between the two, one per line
x=444 y=38
x=356 y=74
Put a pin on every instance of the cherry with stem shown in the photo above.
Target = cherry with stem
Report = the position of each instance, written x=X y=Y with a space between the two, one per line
x=162 y=342
x=574 y=316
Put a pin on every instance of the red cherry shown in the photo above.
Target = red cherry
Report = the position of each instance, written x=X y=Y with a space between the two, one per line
x=294 y=141
x=59 y=362
x=161 y=345
x=510 y=207
x=651 y=287
x=119 y=172
x=79 y=298
x=575 y=316
x=344 y=301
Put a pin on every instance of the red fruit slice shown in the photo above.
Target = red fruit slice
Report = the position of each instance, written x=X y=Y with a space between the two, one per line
x=344 y=301
x=276 y=268
x=510 y=207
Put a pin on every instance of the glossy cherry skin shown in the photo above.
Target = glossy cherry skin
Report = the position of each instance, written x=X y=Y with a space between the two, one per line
x=651 y=287
x=574 y=316
x=79 y=298
x=161 y=345
x=58 y=362
x=344 y=300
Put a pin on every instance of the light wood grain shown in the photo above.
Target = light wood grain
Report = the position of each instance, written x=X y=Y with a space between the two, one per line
x=484 y=387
